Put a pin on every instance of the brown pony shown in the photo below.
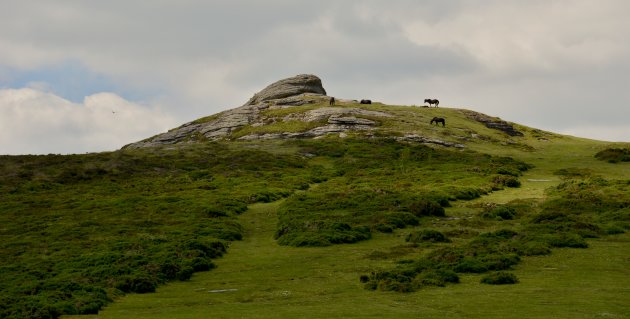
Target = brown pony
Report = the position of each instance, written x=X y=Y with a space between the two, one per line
x=438 y=120
x=432 y=101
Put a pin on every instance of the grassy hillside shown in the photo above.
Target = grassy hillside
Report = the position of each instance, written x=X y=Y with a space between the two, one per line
x=377 y=214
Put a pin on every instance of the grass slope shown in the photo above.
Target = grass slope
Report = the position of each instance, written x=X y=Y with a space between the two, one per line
x=80 y=231
x=264 y=280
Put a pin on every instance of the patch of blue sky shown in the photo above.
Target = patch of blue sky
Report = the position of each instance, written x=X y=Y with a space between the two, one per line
x=70 y=80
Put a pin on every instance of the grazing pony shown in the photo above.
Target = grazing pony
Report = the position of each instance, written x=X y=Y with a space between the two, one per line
x=432 y=101
x=366 y=102
x=438 y=120
x=332 y=101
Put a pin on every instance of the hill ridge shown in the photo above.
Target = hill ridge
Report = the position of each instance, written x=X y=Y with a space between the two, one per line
x=298 y=107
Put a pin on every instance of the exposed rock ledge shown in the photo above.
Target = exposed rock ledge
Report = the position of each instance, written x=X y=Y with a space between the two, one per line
x=493 y=123
x=290 y=91
x=425 y=140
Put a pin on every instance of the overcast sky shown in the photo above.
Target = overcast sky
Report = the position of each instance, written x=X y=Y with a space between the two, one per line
x=85 y=76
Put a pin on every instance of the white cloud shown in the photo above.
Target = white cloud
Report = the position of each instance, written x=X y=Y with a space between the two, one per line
x=36 y=122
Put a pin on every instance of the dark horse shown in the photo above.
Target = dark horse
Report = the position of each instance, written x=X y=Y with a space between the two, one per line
x=438 y=120
x=432 y=101
x=366 y=102
x=332 y=101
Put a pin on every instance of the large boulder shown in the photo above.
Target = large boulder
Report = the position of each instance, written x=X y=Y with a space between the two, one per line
x=299 y=84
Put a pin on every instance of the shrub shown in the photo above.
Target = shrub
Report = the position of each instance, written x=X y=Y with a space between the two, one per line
x=201 y=264
x=499 y=278
x=268 y=196
x=614 y=155
x=467 y=193
x=427 y=235
x=533 y=248
x=426 y=208
x=566 y=240
x=471 y=265
x=136 y=283
x=500 y=213
x=437 y=277
x=401 y=219
x=185 y=273
x=383 y=228
x=505 y=180
x=573 y=172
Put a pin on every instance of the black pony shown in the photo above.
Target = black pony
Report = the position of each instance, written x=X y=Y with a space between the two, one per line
x=438 y=120
x=432 y=101
x=366 y=102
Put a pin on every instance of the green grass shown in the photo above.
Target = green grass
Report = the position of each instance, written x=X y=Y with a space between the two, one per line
x=278 y=281
x=78 y=231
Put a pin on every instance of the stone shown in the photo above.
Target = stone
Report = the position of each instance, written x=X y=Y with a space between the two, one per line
x=322 y=114
x=425 y=140
x=350 y=120
x=299 y=84
x=493 y=123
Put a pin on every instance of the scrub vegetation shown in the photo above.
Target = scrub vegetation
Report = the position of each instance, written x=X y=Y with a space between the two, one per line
x=313 y=227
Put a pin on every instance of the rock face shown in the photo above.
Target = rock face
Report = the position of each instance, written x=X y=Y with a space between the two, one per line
x=293 y=91
x=299 y=84
x=493 y=123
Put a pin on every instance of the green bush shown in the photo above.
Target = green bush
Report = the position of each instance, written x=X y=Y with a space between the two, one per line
x=500 y=213
x=426 y=208
x=614 y=155
x=566 y=240
x=185 y=273
x=505 y=180
x=499 y=278
x=437 y=277
x=427 y=235
x=384 y=228
x=533 y=248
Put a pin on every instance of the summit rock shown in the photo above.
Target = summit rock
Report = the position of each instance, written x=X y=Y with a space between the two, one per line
x=297 y=85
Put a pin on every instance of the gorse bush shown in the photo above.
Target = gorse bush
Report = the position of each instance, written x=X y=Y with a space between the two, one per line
x=499 y=278
x=500 y=213
x=423 y=207
x=427 y=235
x=614 y=155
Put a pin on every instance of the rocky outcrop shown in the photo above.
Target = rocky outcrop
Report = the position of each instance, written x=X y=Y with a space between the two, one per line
x=324 y=113
x=336 y=125
x=220 y=127
x=425 y=140
x=493 y=123
x=299 y=84
x=298 y=90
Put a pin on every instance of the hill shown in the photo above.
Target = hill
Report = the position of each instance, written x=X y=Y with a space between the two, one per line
x=383 y=199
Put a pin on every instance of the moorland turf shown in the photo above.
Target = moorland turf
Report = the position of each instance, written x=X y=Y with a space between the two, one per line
x=354 y=227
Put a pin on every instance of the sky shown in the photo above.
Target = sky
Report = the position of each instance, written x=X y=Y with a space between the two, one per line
x=82 y=76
